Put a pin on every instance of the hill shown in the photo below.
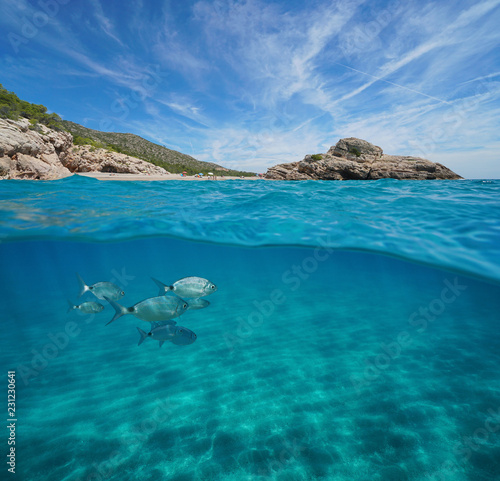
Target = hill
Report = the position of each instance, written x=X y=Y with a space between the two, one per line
x=136 y=146
x=12 y=107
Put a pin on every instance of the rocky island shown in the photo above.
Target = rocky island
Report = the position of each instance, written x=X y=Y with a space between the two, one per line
x=356 y=159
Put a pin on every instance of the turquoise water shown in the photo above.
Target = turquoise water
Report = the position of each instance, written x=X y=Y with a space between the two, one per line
x=354 y=334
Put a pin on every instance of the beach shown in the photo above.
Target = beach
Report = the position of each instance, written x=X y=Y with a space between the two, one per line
x=113 y=176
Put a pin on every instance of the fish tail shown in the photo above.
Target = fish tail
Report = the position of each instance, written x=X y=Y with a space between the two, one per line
x=120 y=310
x=71 y=306
x=163 y=287
x=83 y=287
x=143 y=336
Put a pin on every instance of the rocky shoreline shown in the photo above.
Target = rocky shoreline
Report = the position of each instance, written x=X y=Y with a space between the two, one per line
x=40 y=153
x=37 y=152
x=357 y=159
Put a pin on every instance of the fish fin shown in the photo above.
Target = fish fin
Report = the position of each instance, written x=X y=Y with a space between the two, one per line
x=71 y=306
x=161 y=343
x=120 y=310
x=163 y=287
x=143 y=335
x=83 y=287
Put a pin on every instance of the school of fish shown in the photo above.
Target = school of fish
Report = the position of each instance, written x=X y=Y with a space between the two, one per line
x=171 y=302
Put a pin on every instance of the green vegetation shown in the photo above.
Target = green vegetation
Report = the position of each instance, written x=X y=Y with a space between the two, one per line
x=12 y=107
x=316 y=157
x=77 y=140
x=355 y=151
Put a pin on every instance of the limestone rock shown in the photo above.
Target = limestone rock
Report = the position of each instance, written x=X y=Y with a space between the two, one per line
x=86 y=158
x=356 y=159
x=356 y=149
x=37 y=152
x=29 y=153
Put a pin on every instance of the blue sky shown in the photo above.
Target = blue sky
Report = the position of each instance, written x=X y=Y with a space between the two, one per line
x=249 y=84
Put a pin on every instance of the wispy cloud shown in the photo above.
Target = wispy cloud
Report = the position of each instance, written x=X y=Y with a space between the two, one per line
x=184 y=106
x=450 y=35
x=375 y=78
x=105 y=23
x=484 y=77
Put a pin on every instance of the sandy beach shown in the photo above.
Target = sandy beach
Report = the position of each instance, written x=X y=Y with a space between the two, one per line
x=112 y=176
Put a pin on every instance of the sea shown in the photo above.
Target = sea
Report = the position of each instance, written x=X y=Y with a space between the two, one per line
x=354 y=333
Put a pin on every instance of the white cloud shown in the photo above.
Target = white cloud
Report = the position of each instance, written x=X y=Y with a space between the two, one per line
x=184 y=106
x=105 y=23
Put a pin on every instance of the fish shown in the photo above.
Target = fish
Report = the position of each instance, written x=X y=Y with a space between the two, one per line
x=168 y=331
x=100 y=289
x=86 y=307
x=196 y=303
x=184 y=336
x=187 y=287
x=153 y=309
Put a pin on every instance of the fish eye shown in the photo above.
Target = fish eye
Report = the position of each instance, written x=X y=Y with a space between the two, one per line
x=213 y=287
x=181 y=331
x=122 y=293
x=184 y=306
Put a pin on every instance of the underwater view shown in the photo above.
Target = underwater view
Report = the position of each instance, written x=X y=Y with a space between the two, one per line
x=345 y=331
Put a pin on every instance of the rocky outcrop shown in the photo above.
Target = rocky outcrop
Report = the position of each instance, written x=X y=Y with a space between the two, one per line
x=85 y=158
x=32 y=154
x=356 y=159
x=356 y=149
x=37 y=152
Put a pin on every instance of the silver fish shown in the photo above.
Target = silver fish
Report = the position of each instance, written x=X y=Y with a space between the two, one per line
x=100 y=289
x=154 y=309
x=196 y=303
x=168 y=332
x=90 y=307
x=188 y=287
x=184 y=336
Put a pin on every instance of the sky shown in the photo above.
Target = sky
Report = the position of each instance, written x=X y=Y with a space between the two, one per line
x=249 y=84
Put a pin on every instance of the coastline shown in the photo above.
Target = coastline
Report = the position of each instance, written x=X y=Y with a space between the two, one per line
x=147 y=177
